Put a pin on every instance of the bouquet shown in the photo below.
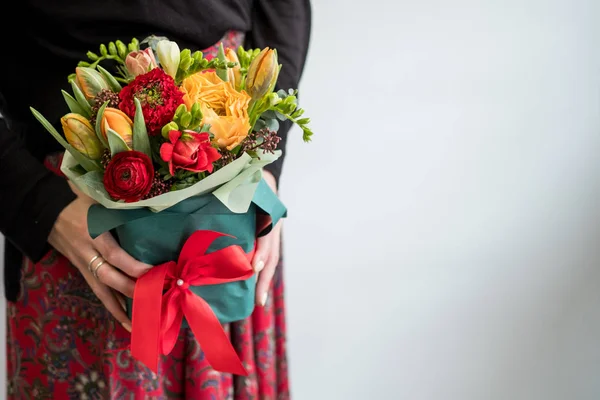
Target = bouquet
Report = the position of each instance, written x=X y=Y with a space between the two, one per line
x=171 y=144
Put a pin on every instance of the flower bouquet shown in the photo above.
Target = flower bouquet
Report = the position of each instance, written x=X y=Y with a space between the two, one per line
x=171 y=144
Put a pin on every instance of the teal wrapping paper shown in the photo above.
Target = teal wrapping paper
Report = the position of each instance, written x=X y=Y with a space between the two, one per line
x=158 y=237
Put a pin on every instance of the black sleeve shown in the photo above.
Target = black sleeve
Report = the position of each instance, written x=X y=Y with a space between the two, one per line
x=31 y=196
x=286 y=26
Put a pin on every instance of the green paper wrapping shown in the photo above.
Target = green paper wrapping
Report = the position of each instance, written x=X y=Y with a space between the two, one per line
x=158 y=237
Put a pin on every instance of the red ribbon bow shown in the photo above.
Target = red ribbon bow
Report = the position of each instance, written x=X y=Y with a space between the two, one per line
x=162 y=298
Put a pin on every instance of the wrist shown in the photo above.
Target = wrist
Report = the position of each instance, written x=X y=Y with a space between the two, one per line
x=271 y=181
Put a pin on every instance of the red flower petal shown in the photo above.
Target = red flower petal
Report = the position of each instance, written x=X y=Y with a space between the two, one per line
x=129 y=176
x=166 y=152
x=159 y=112
x=174 y=136
x=182 y=161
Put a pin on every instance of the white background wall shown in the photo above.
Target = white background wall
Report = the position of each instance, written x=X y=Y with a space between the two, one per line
x=444 y=232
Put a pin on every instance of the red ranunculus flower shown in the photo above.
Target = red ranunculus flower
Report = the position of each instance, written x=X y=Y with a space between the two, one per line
x=159 y=96
x=189 y=150
x=129 y=176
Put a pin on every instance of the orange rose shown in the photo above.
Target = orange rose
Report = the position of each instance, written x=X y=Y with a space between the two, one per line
x=206 y=88
x=223 y=108
x=229 y=131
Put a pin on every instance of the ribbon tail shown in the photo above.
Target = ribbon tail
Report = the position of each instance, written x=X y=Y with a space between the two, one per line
x=146 y=317
x=172 y=317
x=210 y=335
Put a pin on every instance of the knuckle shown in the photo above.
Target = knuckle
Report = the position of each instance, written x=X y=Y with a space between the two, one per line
x=102 y=273
x=110 y=254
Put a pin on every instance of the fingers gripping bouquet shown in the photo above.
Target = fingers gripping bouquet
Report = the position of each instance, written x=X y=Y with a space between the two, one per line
x=171 y=144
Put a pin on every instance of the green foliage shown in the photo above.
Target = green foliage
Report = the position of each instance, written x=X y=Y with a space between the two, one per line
x=116 y=51
x=80 y=97
x=115 y=86
x=116 y=142
x=283 y=105
x=99 y=117
x=140 y=133
x=74 y=106
x=184 y=179
x=190 y=63
x=185 y=119
x=246 y=57
x=222 y=72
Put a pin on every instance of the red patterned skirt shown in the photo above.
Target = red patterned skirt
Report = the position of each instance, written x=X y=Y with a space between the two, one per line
x=63 y=344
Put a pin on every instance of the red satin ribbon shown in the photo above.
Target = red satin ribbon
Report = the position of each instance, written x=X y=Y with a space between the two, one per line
x=157 y=316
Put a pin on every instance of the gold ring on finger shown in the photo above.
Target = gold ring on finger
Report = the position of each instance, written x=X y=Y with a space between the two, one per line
x=95 y=272
x=92 y=261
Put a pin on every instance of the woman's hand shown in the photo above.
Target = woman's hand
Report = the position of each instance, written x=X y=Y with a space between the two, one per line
x=101 y=261
x=267 y=254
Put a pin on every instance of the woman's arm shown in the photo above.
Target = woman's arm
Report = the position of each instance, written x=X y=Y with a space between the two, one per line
x=40 y=210
x=286 y=26
x=31 y=197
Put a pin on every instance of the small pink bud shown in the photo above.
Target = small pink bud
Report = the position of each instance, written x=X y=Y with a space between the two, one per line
x=140 y=62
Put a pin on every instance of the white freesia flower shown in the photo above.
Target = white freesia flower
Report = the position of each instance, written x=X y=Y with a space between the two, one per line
x=168 y=55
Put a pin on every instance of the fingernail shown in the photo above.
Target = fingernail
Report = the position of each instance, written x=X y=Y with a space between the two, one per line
x=264 y=298
x=127 y=326
x=259 y=266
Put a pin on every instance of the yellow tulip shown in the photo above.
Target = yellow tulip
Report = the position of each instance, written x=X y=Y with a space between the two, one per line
x=81 y=135
x=119 y=122
x=234 y=75
x=90 y=81
x=262 y=74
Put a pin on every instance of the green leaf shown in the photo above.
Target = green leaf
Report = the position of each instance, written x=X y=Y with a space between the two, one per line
x=204 y=128
x=99 y=117
x=280 y=116
x=272 y=125
x=115 y=86
x=222 y=72
x=115 y=142
x=74 y=105
x=85 y=162
x=306 y=134
x=269 y=114
x=141 y=142
x=83 y=102
x=185 y=120
x=260 y=124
